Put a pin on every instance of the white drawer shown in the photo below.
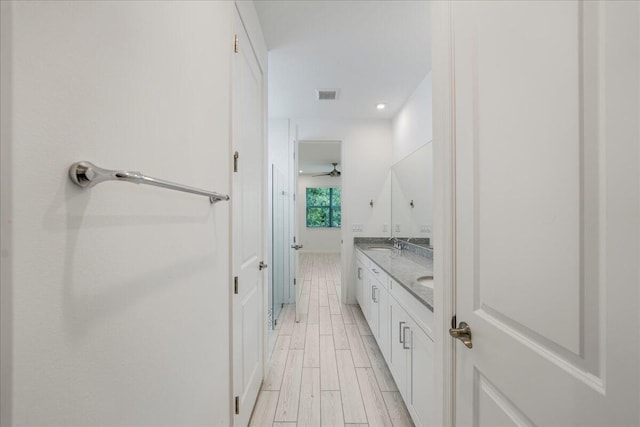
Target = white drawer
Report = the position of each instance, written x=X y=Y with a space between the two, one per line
x=379 y=274
x=418 y=311
x=363 y=259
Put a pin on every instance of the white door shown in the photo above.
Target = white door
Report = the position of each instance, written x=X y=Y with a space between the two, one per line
x=247 y=224
x=298 y=281
x=547 y=219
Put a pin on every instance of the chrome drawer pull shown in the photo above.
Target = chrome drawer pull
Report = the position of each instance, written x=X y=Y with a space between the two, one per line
x=404 y=338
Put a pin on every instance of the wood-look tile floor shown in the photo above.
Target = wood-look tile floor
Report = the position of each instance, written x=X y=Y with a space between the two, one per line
x=327 y=370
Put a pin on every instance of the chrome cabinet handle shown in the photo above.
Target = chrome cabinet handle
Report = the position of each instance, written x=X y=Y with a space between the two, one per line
x=404 y=338
x=360 y=273
x=400 y=336
x=373 y=293
x=375 y=271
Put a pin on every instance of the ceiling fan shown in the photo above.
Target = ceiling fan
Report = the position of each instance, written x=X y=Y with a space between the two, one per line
x=334 y=173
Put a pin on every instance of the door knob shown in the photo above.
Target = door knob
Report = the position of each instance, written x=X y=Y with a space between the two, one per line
x=296 y=247
x=463 y=333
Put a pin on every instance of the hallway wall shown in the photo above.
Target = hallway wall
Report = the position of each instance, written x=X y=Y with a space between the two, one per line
x=120 y=293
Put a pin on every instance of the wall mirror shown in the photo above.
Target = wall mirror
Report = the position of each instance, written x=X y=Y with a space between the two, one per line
x=412 y=196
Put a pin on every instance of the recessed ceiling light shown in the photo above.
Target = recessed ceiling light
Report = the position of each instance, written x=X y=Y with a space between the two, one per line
x=381 y=106
x=300 y=170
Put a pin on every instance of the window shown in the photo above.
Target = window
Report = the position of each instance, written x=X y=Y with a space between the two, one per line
x=323 y=207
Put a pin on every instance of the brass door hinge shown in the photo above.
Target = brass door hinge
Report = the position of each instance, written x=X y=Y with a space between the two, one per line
x=235 y=284
x=236 y=156
x=294 y=281
x=236 y=43
x=237 y=405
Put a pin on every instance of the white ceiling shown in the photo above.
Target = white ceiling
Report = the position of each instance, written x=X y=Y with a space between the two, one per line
x=373 y=51
x=315 y=157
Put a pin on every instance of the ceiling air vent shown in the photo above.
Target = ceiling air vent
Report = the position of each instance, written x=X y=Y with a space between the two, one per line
x=327 y=94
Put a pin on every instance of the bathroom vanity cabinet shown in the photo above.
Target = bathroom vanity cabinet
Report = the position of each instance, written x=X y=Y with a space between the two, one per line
x=402 y=326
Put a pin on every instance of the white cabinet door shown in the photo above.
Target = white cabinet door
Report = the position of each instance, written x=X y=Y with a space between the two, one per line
x=546 y=176
x=383 y=337
x=359 y=282
x=366 y=293
x=399 y=356
x=374 y=308
x=420 y=375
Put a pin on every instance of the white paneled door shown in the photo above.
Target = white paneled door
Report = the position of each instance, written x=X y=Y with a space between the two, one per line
x=546 y=171
x=247 y=224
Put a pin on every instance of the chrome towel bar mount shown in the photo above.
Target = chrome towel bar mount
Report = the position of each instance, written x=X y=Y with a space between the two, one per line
x=86 y=175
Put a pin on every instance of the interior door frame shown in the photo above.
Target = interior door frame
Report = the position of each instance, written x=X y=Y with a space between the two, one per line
x=444 y=236
x=298 y=281
x=344 y=295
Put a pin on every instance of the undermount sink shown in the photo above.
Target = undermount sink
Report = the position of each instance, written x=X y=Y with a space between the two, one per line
x=379 y=248
x=425 y=281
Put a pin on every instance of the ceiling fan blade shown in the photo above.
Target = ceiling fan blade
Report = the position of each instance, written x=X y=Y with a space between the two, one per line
x=322 y=174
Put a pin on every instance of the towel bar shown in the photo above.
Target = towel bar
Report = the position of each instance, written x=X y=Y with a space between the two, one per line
x=86 y=175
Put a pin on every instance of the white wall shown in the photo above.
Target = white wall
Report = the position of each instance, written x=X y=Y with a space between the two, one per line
x=280 y=155
x=6 y=297
x=413 y=125
x=366 y=159
x=319 y=240
x=120 y=294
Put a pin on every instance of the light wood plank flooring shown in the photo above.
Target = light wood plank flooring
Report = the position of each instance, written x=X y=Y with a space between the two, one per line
x=327 y=370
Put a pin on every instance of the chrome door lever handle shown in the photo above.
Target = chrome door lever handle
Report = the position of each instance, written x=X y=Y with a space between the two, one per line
x=462 y=333
x=296 y=247
x=262 y=265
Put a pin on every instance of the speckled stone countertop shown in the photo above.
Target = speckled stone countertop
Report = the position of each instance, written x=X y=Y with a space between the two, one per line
x=404 y=268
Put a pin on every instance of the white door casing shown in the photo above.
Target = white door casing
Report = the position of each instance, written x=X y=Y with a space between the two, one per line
x=547 y=217
x=280 y=247
x=247 y=226
x=298 y=281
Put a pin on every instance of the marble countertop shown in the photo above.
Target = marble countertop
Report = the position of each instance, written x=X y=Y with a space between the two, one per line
x=404 y=268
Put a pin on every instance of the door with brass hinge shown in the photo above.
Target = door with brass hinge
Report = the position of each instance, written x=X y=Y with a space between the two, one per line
x=546 y=232
x=247 y=227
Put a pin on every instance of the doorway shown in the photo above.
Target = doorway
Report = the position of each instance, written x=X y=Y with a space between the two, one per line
x=318 y=215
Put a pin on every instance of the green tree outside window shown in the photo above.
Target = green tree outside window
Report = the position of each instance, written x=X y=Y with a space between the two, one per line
x=323 y=207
